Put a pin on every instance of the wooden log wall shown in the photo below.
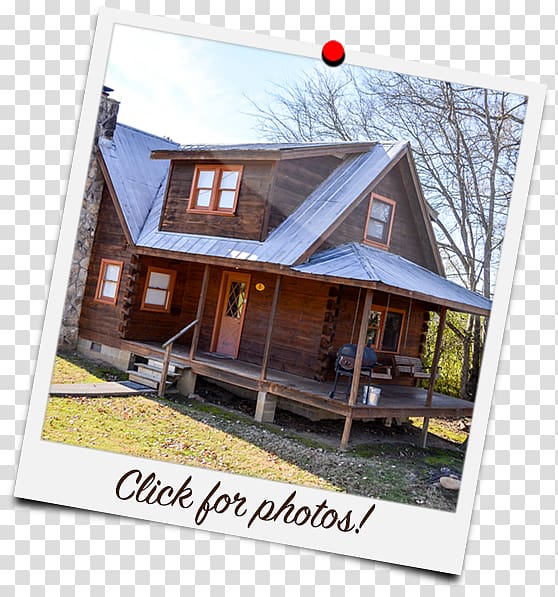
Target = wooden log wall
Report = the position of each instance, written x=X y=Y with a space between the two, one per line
x=101 y=322
x=407 y=229
x=294 y=180
x=297 y=333
x=251 y=207
x=326 y=354
x=155 y=326
x=257 y=317
x=130 y=282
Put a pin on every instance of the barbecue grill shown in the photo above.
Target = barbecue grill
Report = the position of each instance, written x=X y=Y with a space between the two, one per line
x=345 y=364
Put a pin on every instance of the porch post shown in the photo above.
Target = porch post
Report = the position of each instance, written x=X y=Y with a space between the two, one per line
x=358 y=365
x=436 y=357
x=199 y=313
x=434 y=369
x=267 y=346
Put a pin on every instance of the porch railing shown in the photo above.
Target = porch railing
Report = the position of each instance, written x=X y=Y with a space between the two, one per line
x=168 y=350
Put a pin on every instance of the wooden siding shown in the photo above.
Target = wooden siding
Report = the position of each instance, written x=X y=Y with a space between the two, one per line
x=257 y=317
x=294 y=180
x=99 y=321
x=298 y=327
x=407 y=228
x=248 y=221
x=297 y=330
x=159 y=326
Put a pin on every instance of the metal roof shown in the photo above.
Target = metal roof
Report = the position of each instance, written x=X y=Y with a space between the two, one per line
x=327 y=204
x=211 y=246
x=307 y=224
x=275 y=146
x=135 y=177
x=140 y=183
x=356 y=261
x=260 y=151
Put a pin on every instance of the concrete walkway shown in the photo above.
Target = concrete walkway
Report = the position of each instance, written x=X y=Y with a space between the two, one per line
x=101 y=388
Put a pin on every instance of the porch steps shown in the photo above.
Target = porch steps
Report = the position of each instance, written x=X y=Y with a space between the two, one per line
x=149 y=374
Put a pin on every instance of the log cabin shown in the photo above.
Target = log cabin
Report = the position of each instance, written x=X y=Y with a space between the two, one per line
x=252 y=264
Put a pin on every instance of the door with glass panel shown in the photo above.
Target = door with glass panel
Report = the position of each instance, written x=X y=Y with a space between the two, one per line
x=231 y=311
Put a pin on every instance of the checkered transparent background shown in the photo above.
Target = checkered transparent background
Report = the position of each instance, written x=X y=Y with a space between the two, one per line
x=44 y=549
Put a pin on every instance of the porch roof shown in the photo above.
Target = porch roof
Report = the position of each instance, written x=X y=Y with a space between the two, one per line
x=355 y=261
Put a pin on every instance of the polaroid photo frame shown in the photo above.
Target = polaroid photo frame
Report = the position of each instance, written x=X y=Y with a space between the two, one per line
x=359 y=526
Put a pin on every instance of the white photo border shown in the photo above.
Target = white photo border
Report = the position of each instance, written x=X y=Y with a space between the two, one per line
x=85 y=478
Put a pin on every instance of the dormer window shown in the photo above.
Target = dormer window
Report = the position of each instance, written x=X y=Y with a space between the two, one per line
x=215 y=189
x=380 y=221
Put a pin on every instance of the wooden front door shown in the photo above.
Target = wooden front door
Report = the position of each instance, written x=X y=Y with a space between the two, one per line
x=231 y=311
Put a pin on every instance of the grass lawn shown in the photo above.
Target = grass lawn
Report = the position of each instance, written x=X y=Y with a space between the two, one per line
x=202 y=434
x=74 y=368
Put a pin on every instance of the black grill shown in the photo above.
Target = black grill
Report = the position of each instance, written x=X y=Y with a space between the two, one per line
x=345 y=364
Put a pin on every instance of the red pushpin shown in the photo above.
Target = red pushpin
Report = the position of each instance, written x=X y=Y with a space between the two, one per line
x=333 y=53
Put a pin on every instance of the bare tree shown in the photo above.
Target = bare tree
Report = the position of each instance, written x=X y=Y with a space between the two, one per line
x=465 y=140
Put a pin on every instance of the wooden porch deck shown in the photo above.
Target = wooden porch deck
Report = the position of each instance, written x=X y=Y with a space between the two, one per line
x=395 y=401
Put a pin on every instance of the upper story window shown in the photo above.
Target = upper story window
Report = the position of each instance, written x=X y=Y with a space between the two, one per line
x=380 y=220
x=215 y=189
x=159 y=285
x=109 y=281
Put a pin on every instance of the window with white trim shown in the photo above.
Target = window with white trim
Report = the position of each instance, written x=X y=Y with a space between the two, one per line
x=159 y=285
x=215 y=189
x=380 y=220
x=109 y=281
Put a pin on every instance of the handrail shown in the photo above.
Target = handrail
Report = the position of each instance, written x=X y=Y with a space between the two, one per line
x=178 y=334
x=166 y=359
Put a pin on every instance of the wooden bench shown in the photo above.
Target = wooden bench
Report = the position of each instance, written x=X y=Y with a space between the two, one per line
x=381 y=372
x=411 y=366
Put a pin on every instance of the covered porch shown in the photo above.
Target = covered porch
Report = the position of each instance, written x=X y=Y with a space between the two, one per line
x=257 y=370
x=395 y=402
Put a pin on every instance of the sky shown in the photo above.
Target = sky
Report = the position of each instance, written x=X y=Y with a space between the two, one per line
x=193 y=90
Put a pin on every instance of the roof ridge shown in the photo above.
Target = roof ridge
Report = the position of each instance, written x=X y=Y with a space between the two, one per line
x=306 y=206
x=366 y=265
x=133 y=128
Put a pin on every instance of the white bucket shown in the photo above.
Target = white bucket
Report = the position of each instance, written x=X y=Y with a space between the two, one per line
x=371 y=395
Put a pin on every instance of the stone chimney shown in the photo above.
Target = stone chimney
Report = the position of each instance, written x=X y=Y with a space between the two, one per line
x=106 y=119
x=106 y=124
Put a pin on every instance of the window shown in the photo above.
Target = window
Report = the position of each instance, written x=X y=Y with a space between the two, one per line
x=384 y=328
x=215 y=189
x=157 y=294
x=109 y=281
x=380 y=220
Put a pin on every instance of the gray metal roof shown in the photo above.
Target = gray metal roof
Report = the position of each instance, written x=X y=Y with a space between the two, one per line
x=260 y=151
x=136 y=178
x=356 y=261
x=329 y=201
x=196 y=244
x=271 y=146
x=140 y=184
x=327 y=204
